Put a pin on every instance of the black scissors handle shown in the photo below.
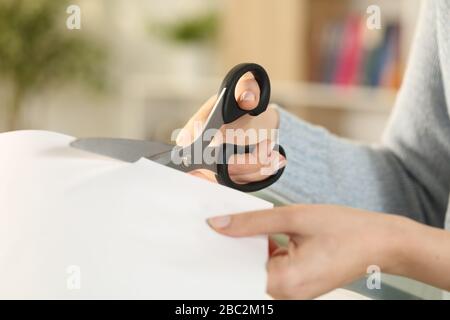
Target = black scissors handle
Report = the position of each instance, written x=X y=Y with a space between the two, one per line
x=231 y=112
x=223 y=176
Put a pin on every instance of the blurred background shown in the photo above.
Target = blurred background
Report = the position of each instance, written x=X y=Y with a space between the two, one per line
x=141 y=68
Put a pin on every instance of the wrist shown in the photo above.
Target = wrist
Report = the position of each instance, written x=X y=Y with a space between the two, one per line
x=399 y=244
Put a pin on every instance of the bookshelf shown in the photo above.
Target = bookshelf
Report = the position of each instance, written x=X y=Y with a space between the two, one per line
x=283 y=35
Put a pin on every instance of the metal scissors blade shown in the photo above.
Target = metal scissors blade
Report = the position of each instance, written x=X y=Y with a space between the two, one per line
x=123 y=149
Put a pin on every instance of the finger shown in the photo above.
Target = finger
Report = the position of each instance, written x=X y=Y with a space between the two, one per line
x=250 y=178
x=254 y=177
x=262 y=156
x=287 y=277
x=290 y=278
x=262 y=172
x=188 y=133
x=282 y=276
x=247 y=92
x=240 y=164
x=247 y=95
x=204 y=174
x=249 y=162
x=275 y=249
x=279 y=252
x=277 y=220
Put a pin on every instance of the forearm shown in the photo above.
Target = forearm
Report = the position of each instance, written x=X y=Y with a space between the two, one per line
x=323 y=168
x=422 y=253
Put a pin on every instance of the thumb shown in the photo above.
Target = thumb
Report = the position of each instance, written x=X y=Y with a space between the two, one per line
x=246 y=94
x=277 y=220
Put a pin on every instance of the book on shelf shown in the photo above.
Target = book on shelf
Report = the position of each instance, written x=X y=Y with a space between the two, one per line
x=351 y=54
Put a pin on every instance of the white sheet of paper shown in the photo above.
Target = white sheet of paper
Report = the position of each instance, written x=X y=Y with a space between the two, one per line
x=78 y=225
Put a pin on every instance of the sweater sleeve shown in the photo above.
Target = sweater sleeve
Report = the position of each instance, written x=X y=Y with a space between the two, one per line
x=407 y=174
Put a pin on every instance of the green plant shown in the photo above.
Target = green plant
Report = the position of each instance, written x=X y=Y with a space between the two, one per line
x=198 y=29
x=36 y=49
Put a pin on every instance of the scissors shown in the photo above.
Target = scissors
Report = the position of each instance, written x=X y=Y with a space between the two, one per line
x=192 y=157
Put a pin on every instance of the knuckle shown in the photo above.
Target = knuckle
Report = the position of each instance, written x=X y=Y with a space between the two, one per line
x=286 y=285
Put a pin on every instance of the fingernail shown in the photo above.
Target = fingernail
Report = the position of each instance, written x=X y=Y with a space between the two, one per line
x=219 y=222
x=248 y=96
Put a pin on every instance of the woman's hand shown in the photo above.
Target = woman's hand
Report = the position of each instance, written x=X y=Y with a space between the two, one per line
x=329 y=246
x=243 y=168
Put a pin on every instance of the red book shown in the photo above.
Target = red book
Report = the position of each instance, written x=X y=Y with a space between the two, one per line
x=349 y=59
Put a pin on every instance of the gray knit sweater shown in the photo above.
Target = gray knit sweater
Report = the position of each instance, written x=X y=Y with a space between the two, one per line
x=409 y=172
